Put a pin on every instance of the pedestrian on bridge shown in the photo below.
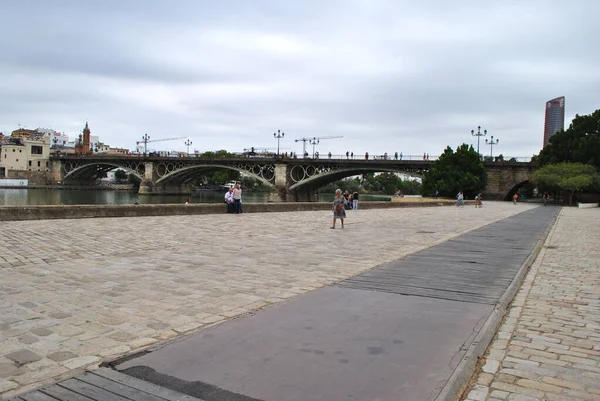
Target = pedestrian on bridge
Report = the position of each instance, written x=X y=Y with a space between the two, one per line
x=352 y=155
x=396 y=156
x=366 y=155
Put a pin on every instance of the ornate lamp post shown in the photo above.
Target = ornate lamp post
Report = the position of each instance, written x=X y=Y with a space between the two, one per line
x=314 y=142
x=492 y=143
x=479 y=135
x=278 y=135
x=55 y=141
x=145 y=138
x=188 y=143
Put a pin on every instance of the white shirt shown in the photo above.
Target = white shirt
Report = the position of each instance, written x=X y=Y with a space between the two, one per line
x=229 y=197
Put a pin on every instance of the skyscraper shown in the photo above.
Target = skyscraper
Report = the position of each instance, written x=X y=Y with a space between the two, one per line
x=555 y=118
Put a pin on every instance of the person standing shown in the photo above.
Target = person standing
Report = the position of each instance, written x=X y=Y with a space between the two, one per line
x=339 y=212
x=515 y=197
x=355 y=200
x=229 y=200
x=396 y=156
x=237 y=199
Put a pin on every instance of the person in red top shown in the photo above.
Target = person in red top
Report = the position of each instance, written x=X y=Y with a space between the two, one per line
x=515 y=197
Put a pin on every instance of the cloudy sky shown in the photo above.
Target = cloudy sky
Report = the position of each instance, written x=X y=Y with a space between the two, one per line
x=386 y=75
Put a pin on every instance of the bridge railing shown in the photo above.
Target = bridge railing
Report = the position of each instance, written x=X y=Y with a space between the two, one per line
x=383 y=157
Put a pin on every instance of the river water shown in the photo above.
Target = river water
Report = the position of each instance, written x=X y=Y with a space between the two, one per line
x=15 y=197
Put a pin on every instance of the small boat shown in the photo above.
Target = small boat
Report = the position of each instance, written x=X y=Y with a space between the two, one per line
x=228 y=185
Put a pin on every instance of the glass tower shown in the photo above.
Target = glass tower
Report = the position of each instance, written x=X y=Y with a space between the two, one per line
x=555 y=118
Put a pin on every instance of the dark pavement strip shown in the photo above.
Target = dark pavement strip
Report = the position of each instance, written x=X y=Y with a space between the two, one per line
x=395 y=332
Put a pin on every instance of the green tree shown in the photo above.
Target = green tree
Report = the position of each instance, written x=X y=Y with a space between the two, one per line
x=580 y=143
x=133 y=180
x=223 y=176
x=120 y=175
x=456 y=171
x=568 y=177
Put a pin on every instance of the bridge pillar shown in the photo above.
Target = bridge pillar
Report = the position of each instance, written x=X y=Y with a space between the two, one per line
x=56 y=171
x=280 y=193
x=147 y=186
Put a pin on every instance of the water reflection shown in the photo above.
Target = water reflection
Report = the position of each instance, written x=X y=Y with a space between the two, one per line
x=15 y=197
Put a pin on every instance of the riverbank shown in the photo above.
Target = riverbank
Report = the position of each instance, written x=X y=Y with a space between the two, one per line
x=44 y=212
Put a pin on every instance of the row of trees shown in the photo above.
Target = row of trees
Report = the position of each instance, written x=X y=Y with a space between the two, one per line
x=384 y=183
x=570 y=163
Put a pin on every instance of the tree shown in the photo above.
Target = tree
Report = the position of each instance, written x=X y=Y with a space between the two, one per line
x=120 y=175
x=456 y=171
x=569 y=177
x=580 y=143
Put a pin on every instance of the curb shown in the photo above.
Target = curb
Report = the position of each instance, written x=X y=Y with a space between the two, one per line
x=461 y=376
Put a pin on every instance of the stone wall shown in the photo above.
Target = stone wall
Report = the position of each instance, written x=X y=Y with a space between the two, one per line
x=34 y=177
x=11 y=213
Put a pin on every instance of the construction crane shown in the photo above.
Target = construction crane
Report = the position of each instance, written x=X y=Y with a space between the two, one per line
x=146 y=140
x=313 y=141
x=252 y=151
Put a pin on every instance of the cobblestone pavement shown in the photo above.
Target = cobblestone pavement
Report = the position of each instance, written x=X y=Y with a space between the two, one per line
x=77 y=292
x=548 y=347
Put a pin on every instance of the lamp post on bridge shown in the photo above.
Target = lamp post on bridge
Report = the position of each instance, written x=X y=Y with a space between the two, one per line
x=492 y=143
x=278 y=135
x=479 y=134
x=145 y=138
x=188 y=143
x=314 y=142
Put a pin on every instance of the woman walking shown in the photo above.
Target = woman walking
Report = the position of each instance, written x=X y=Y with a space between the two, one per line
x=339 y=212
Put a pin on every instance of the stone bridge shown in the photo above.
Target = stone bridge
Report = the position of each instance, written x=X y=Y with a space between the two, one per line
x=289 y=179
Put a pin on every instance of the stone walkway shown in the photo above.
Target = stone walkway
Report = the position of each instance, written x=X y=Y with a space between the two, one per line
x=79 y=292
x=548 y=347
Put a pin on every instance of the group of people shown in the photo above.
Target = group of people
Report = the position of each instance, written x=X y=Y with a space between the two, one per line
x=233 y=199
x=341 y=202
x=460 y=199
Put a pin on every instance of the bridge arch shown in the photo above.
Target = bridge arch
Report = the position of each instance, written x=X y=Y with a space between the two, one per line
x=315 y=181
x=183 y=174
x=73 y=170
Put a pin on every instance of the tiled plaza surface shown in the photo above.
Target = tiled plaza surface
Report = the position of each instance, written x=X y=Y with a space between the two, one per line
x=548 y=347
x=75 y=293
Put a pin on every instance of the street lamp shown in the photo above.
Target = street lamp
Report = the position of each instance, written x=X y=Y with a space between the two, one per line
x=55 y=140
x=314 y=142
x=479 y=135
x=278 y=135
x=145 y=138
x=188 y=143
x=492 y=143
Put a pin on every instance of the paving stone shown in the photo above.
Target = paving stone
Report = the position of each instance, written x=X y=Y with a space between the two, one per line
x=81 y=362
x=28 y=339
x=41 y=331
x=7 y=385
x=23 y=356
x=8 y=369
x=60 y=356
